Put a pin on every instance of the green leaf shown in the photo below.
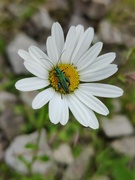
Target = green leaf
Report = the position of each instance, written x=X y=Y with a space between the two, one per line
x=31 y=146
x=44 y=158
x=23 y=160
x=120 y=171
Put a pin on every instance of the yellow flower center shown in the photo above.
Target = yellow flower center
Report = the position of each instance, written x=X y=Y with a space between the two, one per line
x=64 y=78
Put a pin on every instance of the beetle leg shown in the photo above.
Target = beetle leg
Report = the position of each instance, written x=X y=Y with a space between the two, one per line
x=59 y=86
x=67 y=80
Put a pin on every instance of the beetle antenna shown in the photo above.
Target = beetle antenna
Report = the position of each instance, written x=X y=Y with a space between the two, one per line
x=60 y=56
x=51 y=61
x=48 y=61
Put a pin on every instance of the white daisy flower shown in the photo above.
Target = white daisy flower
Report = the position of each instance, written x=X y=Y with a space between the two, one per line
x=67 y=74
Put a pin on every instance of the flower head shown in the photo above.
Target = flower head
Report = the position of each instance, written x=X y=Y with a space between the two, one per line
x=67 y=73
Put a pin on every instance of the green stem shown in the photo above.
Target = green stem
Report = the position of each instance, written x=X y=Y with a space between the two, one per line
x=37 y=143
x=128 y=58
x=36 y=151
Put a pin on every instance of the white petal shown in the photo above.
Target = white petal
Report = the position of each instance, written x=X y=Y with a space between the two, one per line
x=58 y=109
x=25 y=55
x=101 y=62
x=101 y=90
x=92 y=102
x=83 y=45
x=108 y=56
x=36 y=69
x=58 y=35
x=89 y=56
x=30 y=84
x=42 y=98
x=40 y=57
x=52 y=50
x=69 y=45
x=79 y=31
x=99 y=75
x=82 y=113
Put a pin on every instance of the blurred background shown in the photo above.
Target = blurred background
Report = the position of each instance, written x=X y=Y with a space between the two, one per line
x=69 y=152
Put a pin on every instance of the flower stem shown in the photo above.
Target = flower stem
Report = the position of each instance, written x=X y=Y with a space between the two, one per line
x=37 y=143
x=35 y=151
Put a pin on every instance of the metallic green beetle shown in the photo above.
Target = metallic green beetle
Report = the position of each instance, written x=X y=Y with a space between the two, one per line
x=64 y=82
